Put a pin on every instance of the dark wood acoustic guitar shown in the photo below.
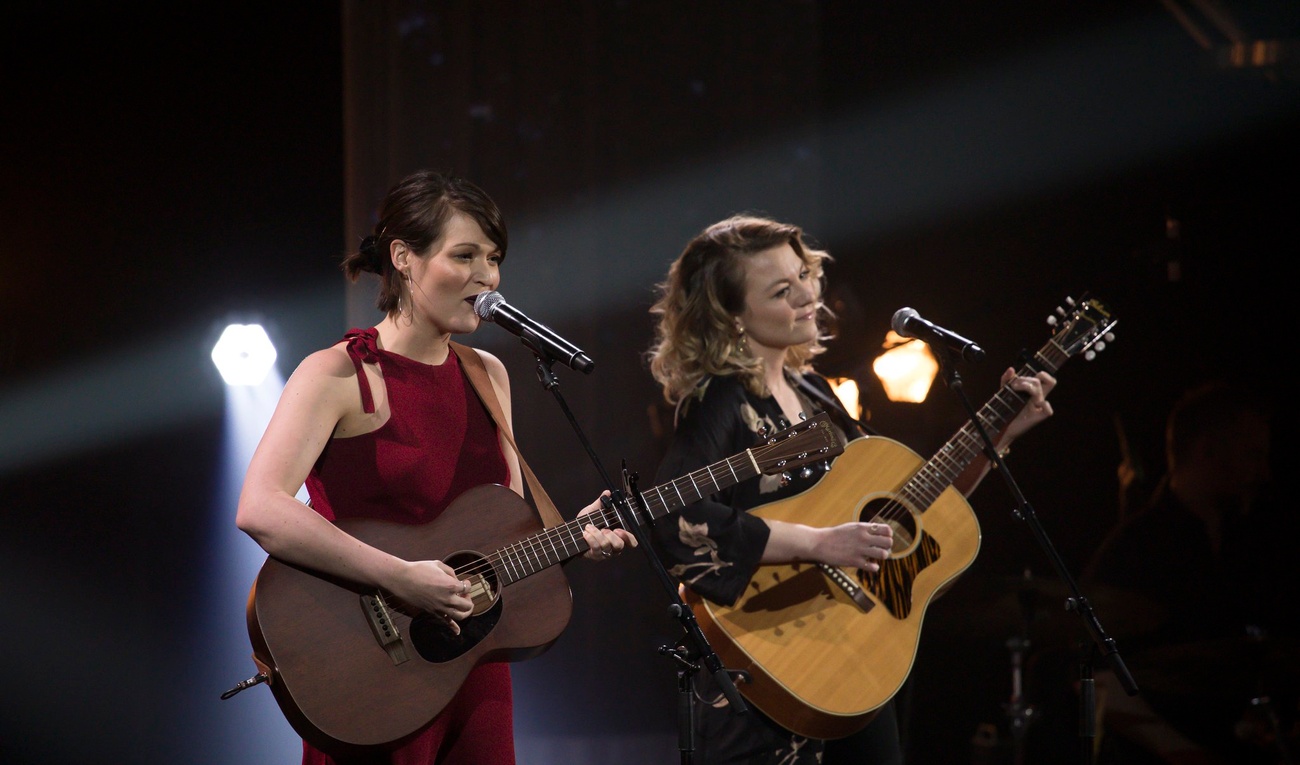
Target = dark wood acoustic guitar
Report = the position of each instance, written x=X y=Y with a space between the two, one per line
x=353 y=669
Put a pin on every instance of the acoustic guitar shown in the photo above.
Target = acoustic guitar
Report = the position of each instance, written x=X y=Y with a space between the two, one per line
x=826 y=647
x=352 y=669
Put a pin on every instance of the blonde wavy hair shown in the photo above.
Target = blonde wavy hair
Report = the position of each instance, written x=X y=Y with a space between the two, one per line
x=696 y=334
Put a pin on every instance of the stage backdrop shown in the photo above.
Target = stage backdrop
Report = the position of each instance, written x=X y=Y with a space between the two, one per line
x=979 y=165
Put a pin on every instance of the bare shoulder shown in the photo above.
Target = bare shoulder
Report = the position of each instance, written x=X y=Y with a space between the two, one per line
x=325 y=379
x=328 y=363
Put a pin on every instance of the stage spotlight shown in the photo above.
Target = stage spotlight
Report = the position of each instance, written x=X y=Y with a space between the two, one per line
x=846 y=390
x=243 y=354
x=906 y=368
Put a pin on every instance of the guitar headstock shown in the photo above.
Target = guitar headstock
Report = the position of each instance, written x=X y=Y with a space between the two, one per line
x=1082 y=326
x=812 y=440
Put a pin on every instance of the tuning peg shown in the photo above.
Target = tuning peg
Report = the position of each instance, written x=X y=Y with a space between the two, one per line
x=1089 y=355
x=825 y=465
x=784 y=479
x=806 y=472
x=763 y=430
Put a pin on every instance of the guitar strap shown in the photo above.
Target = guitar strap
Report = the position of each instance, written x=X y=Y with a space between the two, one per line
x=472 y=363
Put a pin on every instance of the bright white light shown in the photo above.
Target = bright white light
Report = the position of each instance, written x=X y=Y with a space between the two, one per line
x=906 y=369
x=846 y=390
x=244 y=354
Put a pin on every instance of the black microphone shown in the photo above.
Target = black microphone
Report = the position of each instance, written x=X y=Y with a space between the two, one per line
x=908 y=323
x=490 y=306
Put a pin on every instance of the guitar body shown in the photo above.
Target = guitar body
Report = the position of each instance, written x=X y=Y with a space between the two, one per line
x=353 y=670
x=826 y=647
x=346 y=682
x=821 y=662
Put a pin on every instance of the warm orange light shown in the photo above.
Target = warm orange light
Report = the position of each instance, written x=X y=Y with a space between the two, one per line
x=906 y=369
x=846 y=390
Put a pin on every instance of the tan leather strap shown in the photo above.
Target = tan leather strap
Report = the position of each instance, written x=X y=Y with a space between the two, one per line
x=472 y=363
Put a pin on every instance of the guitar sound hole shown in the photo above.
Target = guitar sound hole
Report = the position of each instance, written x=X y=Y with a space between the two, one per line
x=899 y=517
x=432 y=636
x=912 y=553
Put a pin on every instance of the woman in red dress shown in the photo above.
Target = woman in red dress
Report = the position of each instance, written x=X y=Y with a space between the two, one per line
x=384 y=424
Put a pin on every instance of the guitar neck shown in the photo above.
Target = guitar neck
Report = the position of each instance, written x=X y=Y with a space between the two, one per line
x=809 y=441
x=957 y=454
x=564 y=541
x=678 y=493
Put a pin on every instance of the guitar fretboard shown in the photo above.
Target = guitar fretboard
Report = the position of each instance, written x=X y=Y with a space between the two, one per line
x=674 y=495
x=806 y=442
x=960 y=450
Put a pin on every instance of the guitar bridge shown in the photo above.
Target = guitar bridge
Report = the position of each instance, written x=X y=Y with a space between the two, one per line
x=381 y=624
x=850 y=587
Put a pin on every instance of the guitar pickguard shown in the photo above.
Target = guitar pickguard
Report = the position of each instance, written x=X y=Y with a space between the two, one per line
x=892 y=584
x=913 y=551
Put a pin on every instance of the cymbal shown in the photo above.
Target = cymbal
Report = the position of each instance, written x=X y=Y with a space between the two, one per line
x=1040 y=608
x=1238 y=667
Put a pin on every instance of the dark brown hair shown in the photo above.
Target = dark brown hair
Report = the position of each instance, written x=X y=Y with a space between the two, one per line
x=415 y=211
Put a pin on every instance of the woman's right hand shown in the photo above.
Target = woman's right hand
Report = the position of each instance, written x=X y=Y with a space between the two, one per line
x=432 y=586
x=856 y=545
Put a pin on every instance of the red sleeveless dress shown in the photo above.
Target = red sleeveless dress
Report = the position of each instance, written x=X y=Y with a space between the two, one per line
x=439 y=441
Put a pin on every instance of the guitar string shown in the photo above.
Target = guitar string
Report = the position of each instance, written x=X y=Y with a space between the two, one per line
x=533 y=550
x=547 y=545
x=966 y=440
x=544 y=548
x=523 y=554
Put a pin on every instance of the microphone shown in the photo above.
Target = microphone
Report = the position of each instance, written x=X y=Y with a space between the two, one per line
x=490 y=306
x=908 y=323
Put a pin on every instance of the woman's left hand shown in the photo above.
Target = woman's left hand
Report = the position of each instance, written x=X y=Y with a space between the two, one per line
x=604 y=544
x=1037 y=408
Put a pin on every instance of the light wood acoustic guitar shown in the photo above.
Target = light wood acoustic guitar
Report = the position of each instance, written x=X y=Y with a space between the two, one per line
x=826 y=647
x=353 y=669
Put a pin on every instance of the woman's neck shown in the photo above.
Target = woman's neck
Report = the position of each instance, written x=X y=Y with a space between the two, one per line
x=773 y=360
x=416 y=341
x=778 y=384
x=776 y=381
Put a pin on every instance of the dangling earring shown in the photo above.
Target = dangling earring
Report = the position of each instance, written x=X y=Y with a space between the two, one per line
x=741 y=339
x=407 y=312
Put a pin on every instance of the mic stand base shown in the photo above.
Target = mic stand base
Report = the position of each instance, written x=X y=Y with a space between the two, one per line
x=686 y=671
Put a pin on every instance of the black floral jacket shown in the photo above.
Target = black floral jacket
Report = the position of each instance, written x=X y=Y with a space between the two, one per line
x=714 y=546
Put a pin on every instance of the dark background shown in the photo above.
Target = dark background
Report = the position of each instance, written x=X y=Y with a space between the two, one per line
x=167 y=171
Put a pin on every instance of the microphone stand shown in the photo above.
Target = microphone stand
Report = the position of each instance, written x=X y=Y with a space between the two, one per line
x=693 y=650
x=1102 y=643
